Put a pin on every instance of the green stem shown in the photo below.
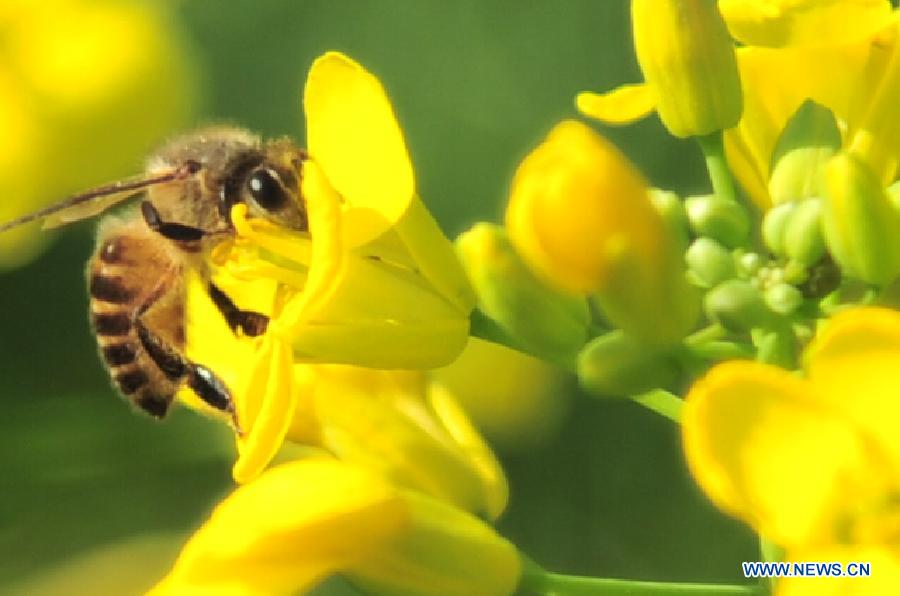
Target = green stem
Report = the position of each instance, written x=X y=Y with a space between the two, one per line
x=714 y=152
x=712 y=332
x=662 y=402
x=537 y=581
x=483 y=327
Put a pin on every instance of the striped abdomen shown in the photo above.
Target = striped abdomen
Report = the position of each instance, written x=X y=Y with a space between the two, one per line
x=136 y=308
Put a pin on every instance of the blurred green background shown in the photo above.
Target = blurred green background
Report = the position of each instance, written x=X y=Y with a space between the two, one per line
x=475 y=84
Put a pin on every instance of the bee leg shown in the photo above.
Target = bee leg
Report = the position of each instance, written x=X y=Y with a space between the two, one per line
x=177 y=368
x=251 y=323
x=169 y=230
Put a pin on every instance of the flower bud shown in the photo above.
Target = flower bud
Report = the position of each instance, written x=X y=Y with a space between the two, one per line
x=809 y=140
x=718 y=218
x=804 y=241
x=688 y=58
x=737 y=305
x=774 y=227
x=783 y=298
x=709 y=262
x=862 y=229
x=616 y=364
x=579 y=216
x=670 y=206
x=549 y=323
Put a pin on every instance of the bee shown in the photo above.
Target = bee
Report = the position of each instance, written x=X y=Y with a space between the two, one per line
x=136 y=275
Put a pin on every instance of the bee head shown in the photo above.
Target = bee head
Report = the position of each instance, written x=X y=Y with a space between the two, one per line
x=236 y=167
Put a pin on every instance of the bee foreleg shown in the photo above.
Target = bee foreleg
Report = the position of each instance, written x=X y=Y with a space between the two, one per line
x=252 y=323
x=166 y=229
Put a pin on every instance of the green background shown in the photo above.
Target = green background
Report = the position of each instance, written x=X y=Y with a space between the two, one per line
x=475 y=84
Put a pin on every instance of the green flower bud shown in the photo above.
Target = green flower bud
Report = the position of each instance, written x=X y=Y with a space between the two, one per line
x=548 y=322
x=809 y=140
x=774 y=227
x=709 y=262
x=747 y=263
x=616 y=364
x=720 y=219
x=670 y=206
x=862 y=229
x=737 y=305
x=783 y=298
x=795 y=273
x=804 y=241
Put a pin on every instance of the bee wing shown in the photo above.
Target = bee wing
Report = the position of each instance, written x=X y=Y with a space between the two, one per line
x=67 y=212
x=97 y=200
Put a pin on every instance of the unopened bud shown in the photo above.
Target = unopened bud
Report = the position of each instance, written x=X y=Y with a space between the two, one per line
x=687 y=56
x=549 y=323
x=809 y=140
x=737 y=305
x=862 y=229
x=709 y=262
x=720 y=219
x=616 y=364
x=804 y=241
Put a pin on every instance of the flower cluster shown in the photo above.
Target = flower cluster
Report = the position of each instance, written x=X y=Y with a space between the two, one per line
x=632 y=288
x=774 y=313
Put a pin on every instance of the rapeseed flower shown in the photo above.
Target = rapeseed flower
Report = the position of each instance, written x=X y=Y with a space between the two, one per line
x=812 y=463
x=396 y=421
x=374 y=282
x=304 y=521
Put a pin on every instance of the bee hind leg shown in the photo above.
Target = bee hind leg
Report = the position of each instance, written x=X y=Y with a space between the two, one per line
x=202 y=381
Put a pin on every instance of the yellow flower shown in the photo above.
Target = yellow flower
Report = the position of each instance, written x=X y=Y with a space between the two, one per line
x=393 y=421
x=579 y=214
x=839 y=54
x=688 y=62
x=86 y=89
x=403 y=426
x=812 y=464
x=304 y=521
x=374 y=282
x=853 y=75
x=777 y=23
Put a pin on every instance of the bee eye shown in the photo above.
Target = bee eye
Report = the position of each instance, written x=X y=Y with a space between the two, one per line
x=266 y=189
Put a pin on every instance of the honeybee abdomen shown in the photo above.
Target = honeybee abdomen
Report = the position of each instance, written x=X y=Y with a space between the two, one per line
x=132 y=277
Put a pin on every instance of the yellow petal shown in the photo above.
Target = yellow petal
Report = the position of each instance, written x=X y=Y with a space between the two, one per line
x=267 y=410
x=622 y=105
x=448 y=552
x=776 y=82
x=854 y=365
x=353 y=134
x=884 y=579
x=472 y=445
x=764 y=449
x=380 y=420
x=286 y=531
x=804 y=22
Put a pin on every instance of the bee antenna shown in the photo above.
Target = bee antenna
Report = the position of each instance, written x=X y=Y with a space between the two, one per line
x=131 y=187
